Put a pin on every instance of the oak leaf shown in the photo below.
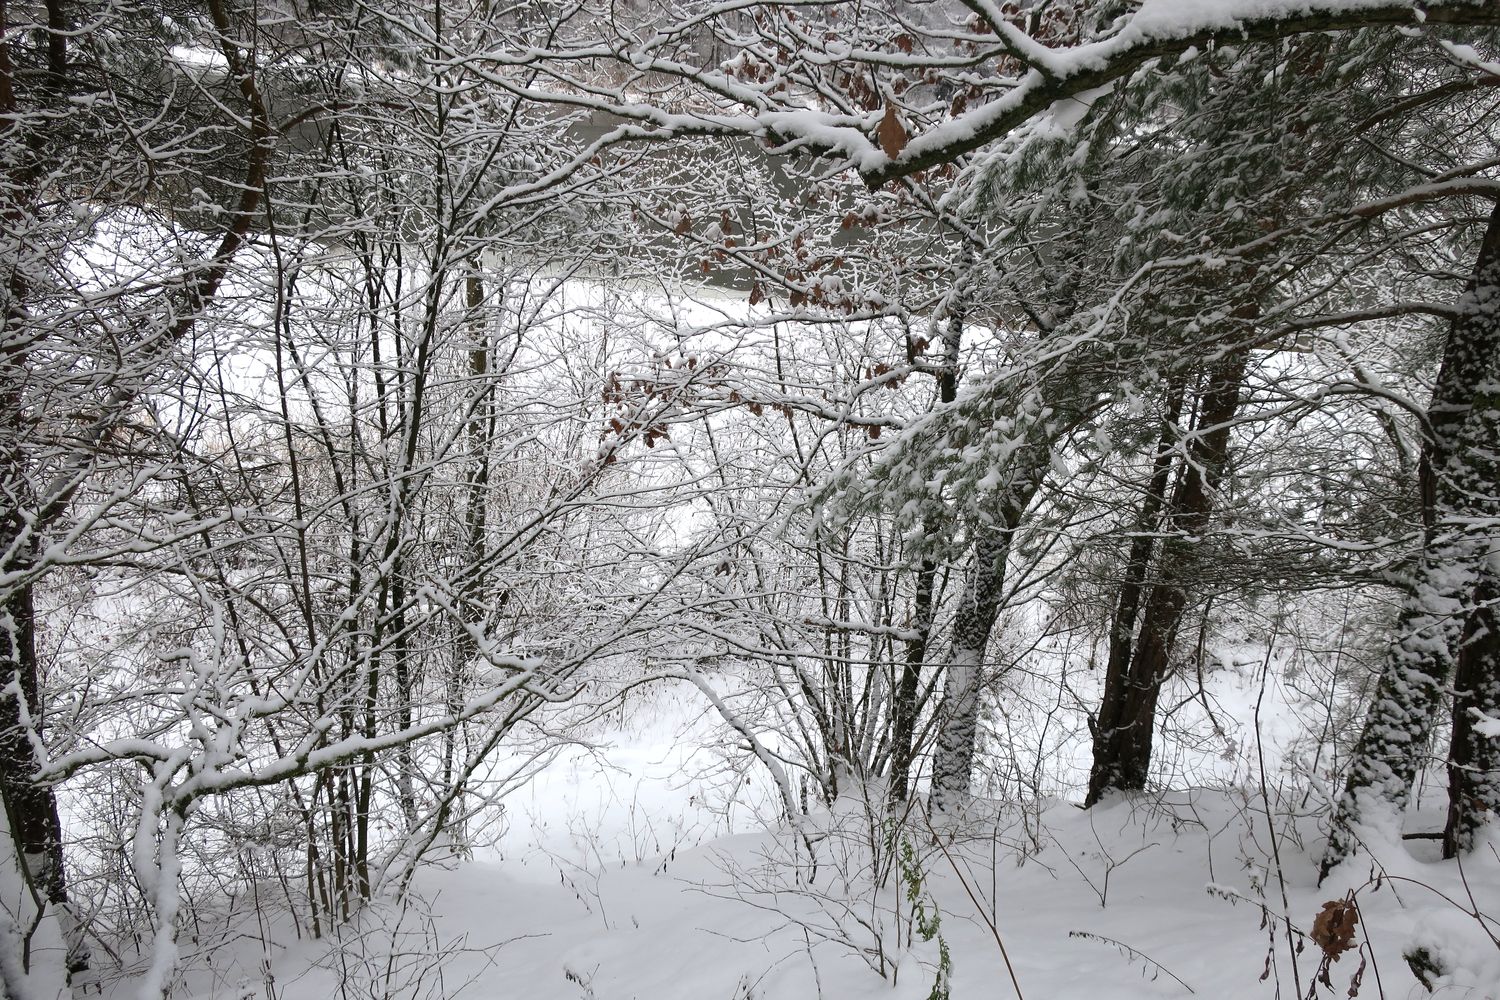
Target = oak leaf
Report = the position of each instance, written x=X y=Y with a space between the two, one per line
x=1333 y=927
x=891 y=133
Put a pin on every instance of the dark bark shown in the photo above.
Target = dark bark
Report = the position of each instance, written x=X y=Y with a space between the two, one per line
x=30 y=806
x=31 y=810
x=1457 y=476
x=1138 y=562
x=480 y=431
x=1473 y=757
x=905 y=707
x=1127 y=716
x=406 y=767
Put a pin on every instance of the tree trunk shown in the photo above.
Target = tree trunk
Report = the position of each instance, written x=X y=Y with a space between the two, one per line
x=953 y=762
x=905 y=708
x=30 y=807
x=1127 y=715
x=406 y=766
x=1473 y=757
x=1457 y=469
x=1133 y=585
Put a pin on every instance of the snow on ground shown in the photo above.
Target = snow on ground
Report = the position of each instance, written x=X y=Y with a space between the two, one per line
x=1129 y=901
x=639 y=868
x=1213 y=729
x=651 y=779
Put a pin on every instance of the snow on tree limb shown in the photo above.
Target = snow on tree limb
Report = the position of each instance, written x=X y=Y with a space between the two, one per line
x=1052 y=76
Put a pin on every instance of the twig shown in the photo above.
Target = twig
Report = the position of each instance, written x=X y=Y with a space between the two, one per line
x=1132 y=953
x=1265 y=801
x=975 y=900
x=1379 y=986
x=1474 y=911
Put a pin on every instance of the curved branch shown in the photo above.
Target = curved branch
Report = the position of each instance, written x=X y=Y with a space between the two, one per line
x=1158 y=29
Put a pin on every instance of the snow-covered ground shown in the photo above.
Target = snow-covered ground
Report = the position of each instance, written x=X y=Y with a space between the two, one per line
x=645 y=781
x=639 y=868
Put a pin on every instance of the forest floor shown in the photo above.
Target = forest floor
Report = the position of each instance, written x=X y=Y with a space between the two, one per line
x=637 y=868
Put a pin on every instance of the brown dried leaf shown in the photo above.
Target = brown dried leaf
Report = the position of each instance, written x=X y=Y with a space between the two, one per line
x=890 y=132
x=1333 y=927
x=1359 y=975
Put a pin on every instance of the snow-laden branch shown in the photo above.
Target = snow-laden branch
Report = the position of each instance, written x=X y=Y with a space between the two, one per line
x=313 y=754
x=1157 y=29
x=1051 y=76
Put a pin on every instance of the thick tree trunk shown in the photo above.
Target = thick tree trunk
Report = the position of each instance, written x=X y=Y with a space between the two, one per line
x=30 y=807
x=1142 y=548
x=953 y=762
x=1457 y=473
x=1127 y=715
x=1133 y=585
x=1474 y=757
x=1399 y=723
x=406 y=766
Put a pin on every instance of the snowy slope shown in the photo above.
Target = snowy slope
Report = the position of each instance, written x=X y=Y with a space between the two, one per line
x=1169 y=894
x=622 y=877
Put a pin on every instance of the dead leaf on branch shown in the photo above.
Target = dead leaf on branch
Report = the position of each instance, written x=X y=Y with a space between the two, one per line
x=1333 y=927
x=891 y=133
